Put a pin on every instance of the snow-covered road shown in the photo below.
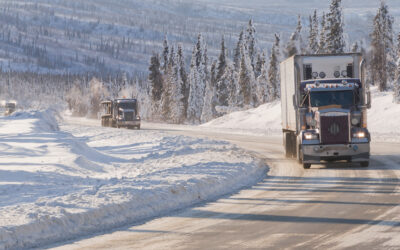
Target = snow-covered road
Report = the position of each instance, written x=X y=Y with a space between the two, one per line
x=63 y=180
x=327 y=207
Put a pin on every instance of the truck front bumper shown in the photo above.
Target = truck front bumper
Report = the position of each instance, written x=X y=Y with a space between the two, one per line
x=355 y=152
x=128 y=123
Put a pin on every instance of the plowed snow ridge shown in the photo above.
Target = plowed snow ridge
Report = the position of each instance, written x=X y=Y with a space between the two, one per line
x=59 y=182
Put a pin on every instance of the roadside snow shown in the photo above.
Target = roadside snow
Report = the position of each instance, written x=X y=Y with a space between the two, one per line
x=58 y=182
x=263 y=120
x=383 y=119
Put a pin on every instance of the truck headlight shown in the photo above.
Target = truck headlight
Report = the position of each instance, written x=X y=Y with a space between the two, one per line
x=359 y=134
x=310 y=136
x=137 y=117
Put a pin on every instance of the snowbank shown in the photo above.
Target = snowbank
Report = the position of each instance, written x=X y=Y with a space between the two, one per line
x=60 y=182
x=383 y=119
x=264 y=120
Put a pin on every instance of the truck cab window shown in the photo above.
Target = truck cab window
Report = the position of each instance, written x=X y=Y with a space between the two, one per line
x=307 y=71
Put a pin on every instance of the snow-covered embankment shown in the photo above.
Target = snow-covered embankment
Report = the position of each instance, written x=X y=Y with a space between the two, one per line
x=56 y=184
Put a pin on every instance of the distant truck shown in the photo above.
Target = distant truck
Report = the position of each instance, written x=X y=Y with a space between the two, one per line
x=324 y=109
x=121 y=113
x=10 y=108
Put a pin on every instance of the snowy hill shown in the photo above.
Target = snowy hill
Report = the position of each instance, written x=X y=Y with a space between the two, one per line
x=113 y=36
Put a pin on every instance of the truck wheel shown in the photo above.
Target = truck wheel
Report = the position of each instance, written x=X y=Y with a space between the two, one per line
x=364 y=164
x=306 y=165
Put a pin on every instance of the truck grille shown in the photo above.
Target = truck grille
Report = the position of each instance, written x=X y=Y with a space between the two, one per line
x=128 y=116
x=334 y=129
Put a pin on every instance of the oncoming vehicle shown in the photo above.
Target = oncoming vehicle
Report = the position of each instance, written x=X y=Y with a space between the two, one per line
x=121 y=113
x=10 y=108
x=324 y=109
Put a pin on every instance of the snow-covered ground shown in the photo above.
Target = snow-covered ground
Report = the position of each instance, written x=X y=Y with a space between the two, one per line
x=383 y=119
x=59 y=180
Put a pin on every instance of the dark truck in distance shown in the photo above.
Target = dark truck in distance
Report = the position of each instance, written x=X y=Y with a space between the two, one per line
x=10 y=108
x=120 y=113
x=324 y=109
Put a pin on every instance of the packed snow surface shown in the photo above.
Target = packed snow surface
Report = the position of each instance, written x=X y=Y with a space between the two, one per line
x=59 y=180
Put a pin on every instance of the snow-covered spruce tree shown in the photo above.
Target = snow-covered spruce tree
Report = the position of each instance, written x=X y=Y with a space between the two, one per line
x=98 y=92
x=221 y=85
x=335 y=40
x=197 y=82
x=260 y=62
x=246 y=81
x=156 y=86
x=260 y=87
x=251 y=42
x=237 y=53
x=168 y=89
x=313 y=34
x=183 y=82
x=273 y=77
x=293 y=46
x=322 y=36
x=210 y=98
x=165 y=54
x=396 y=82
x=382 y=58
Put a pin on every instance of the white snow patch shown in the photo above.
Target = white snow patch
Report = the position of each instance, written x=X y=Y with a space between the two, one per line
x=265 y=120
x=59 y=182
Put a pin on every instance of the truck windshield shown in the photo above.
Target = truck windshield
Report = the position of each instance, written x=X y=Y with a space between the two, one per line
x=325 y=98
x=127 y=105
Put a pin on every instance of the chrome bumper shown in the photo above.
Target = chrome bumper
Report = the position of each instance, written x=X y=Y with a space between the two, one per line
x=355 y=152
x=128 y=123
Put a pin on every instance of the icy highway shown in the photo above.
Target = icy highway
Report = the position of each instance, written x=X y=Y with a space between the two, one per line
x=332 y=206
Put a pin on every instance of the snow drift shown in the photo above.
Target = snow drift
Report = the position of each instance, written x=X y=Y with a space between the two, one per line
x=59 y=182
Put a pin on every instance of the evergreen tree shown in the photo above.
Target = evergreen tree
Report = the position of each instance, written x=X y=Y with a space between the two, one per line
x=221 y=60
x=165 y=54
x=313 y=34
x=155 y=78
x=156 y=85
x=273 y=78
x=184 y=85
x=197 y=81
x=322 y=36
x=334 y=39
x=259 y=64
x=382 y=58
x=293 y=46
x=220 y=82
x=251 y=42
x=245 y=97
x=396 y=83
x=237 y=53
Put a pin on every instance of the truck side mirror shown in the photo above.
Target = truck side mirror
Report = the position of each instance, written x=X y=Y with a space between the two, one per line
x=368 y=104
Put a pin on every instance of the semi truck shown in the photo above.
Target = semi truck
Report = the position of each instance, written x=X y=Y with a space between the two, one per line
x=120 y=113
x=324 y=109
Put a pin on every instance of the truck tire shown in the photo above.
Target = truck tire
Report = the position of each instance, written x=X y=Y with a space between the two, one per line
x=306 y=165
